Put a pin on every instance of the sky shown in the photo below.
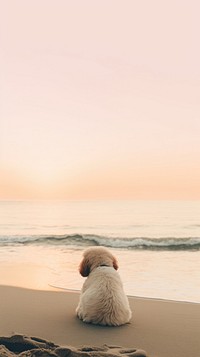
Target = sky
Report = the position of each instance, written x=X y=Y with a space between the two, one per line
x=99 y=99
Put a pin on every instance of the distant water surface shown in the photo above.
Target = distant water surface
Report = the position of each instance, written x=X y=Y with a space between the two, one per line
x=156 y=242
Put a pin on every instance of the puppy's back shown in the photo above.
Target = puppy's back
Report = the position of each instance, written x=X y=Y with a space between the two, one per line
x=104 y=298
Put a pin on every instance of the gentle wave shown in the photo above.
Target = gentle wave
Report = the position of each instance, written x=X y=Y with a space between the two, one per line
x=81 y=240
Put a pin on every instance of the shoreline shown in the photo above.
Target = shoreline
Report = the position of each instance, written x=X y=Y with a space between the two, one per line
x=161 y=328
x=76 y=291
x=41 y=276
x=54 y=288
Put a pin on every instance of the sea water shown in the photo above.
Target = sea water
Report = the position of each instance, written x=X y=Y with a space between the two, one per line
x=157 y=243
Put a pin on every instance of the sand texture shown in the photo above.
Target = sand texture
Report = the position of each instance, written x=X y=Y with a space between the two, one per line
x=19 y=345
x=161 y=328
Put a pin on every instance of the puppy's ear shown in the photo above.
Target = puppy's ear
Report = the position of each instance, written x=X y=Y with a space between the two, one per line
x=115 y=264
x=84 y=268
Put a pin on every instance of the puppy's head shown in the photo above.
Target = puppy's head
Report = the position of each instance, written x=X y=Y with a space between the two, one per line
x=95 y=257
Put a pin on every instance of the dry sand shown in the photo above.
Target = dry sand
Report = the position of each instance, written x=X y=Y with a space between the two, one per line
x=161 y=328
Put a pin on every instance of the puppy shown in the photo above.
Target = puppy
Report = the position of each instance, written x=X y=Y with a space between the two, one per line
x=102 y=299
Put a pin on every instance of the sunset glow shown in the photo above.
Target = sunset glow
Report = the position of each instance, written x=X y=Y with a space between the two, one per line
x=99 y=100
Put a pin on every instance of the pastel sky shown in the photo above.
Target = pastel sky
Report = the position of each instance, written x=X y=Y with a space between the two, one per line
x=99 y=99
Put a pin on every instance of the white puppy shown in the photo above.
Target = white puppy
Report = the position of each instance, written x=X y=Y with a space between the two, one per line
x=102 y=299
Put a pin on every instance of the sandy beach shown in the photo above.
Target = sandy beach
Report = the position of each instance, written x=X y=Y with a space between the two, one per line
x=161 y=328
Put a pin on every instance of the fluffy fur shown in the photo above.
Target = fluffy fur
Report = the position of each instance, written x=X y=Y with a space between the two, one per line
x=102 y=299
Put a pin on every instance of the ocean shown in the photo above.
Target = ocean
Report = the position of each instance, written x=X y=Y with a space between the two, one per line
x=157 y=243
